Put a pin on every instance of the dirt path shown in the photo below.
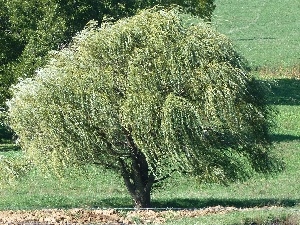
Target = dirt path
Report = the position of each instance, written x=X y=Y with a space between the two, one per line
x=112 y=217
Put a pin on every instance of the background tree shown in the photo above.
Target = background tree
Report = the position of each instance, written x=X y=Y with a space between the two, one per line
x=146 y=97
x=29 y=29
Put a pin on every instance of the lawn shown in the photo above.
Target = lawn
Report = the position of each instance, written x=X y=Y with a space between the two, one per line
x=266 y=32
x=97 y=188
x=268 y=35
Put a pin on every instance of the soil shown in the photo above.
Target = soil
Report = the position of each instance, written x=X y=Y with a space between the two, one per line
x=111 y=216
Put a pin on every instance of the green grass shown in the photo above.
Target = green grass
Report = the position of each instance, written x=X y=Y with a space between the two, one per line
x=267 y=33
x=275 y=216
x=97 y=188
x=94 y=188
x=9 y=149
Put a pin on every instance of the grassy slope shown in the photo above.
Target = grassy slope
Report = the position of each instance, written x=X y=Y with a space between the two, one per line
x=266 y=33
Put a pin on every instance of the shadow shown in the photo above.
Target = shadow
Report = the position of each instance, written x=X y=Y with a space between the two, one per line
x=238 y=203
x=284 y=138
x=124 y=202
x=255 y=39
x=6 y=136
x=285 y=92
x=188 y=203
x=9 y=147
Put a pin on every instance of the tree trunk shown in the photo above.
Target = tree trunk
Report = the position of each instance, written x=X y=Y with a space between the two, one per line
x=139 y=181
x=137 y=176
x=142 y=198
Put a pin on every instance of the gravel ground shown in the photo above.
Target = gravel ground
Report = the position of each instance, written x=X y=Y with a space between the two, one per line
x=111 y=216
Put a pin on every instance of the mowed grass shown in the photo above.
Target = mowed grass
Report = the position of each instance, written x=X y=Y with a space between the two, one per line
x=97 y=188
x=268 y=35
x=266 y=32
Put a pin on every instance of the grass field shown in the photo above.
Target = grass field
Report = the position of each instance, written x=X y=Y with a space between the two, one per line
x=266 y=32
x=268 y=35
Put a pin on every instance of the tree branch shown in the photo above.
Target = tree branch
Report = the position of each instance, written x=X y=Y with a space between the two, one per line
x=164 y=177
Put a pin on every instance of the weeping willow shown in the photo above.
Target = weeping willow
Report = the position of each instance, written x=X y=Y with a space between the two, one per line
x=147 y=96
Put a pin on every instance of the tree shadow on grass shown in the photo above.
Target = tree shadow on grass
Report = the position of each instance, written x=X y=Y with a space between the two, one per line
x=9 y=147
x=239 y=203
x=116 y=202
x=285 y=92
x=190 y=203
x=284 y=138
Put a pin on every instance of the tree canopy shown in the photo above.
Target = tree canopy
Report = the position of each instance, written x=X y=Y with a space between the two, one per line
x=146 y=96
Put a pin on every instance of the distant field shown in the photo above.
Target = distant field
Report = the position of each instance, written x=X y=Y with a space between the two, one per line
x=266 y=32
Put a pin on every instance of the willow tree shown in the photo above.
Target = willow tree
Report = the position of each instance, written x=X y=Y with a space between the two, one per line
x=147 y=96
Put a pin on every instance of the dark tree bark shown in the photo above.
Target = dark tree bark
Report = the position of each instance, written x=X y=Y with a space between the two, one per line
x=137 y=176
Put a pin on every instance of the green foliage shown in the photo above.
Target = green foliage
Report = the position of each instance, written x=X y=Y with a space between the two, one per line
x=146 y=96
x=30 y=29
x=7 y=41
x=12 y=168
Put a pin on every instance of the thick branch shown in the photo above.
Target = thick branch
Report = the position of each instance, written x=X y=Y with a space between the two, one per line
x=164 y=177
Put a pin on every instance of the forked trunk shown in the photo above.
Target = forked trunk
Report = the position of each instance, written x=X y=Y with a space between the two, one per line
x=139 y=183
x=137 y=176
